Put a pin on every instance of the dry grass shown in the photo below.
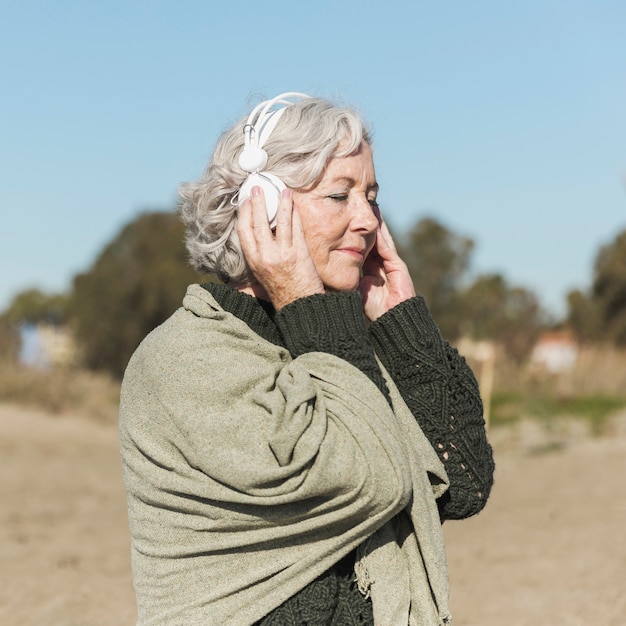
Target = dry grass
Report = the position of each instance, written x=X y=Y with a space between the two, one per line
x=598 y=370
x=62 y=390
x=593 y=390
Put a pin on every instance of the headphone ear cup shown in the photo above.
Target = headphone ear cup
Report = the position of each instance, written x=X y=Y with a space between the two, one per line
x=252 y=158
x=272 y=187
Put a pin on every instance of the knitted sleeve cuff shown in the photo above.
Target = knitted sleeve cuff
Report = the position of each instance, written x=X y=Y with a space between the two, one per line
x=407 y=327
x=321 y=323
x=332 y=323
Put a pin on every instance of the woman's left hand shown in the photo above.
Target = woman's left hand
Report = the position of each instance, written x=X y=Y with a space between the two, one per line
x=386 y=280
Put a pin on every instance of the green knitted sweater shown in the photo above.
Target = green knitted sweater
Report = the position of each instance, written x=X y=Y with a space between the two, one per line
x=436 y=384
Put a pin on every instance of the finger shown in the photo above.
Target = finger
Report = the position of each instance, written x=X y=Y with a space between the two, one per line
x=244 y=228
x=284 y=218
x=385 y=245
x=377 y=213
x=297 y=230
x=373 y=265
x=260 y=223
x=386 y=234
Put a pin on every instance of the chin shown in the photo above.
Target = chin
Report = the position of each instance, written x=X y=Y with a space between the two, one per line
x=347 y=284
x=343 y=279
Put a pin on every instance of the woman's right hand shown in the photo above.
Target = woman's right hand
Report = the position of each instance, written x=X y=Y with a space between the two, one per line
x=280 y=260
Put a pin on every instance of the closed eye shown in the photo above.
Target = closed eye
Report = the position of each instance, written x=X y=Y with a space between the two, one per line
x=342 y=197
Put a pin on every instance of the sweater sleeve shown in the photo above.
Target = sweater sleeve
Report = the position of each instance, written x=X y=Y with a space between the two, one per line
x=331 y=323
x=442 y=393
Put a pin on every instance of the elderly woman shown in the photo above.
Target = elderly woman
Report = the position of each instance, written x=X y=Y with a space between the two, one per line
x=292 y=438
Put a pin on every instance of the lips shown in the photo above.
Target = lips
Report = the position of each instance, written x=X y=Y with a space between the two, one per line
x=358 y=252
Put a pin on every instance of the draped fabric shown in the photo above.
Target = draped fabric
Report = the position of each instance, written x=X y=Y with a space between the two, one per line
x=249 y=474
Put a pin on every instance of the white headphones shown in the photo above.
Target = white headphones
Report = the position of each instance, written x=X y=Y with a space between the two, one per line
x=259 y=126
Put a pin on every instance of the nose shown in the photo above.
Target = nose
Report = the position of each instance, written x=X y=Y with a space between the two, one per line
x=363 y=217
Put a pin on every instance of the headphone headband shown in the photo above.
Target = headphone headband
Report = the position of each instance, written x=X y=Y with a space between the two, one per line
x=253 y=158
x=257 y=116
x=259 y=126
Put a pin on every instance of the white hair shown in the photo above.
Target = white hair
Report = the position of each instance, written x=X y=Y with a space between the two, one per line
x=308 y=135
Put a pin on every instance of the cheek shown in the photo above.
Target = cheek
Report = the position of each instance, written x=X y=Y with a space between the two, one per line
x=319 y=238
x=309 y=219
x=322 y=230
x=318 y=245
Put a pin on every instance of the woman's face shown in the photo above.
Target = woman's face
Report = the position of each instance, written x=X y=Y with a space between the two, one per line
x=338 y=219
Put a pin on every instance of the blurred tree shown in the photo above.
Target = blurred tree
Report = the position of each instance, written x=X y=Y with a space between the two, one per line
x=511 y=316
x=9 y=340
x=583 y=316
x=28 y=307
x=33 y=305
x=600 y=314
x=609 y=289
x=136 y=283
x=438 y=260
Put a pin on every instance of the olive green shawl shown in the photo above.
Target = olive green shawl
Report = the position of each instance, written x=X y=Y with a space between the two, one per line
x=248 y=474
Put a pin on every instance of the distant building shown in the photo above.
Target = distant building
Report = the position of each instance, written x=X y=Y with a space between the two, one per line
x=555 y=352
x=45 y=345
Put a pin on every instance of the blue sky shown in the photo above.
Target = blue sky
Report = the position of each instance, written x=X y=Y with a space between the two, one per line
x=505 y=121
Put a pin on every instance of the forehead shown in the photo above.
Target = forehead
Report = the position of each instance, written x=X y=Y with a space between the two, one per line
x=358 y=166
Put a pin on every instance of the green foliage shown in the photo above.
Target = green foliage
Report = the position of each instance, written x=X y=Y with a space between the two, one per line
x=508 y=407
x=584 y=316
x=33 y=305
x=492 y=309
x=609 y=288
x=489 y=308
x=29 y=306
x=437 y=260
x=601 y=314
x=136 y=283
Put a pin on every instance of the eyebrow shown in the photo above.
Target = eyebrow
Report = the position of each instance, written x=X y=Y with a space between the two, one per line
x=351 y=182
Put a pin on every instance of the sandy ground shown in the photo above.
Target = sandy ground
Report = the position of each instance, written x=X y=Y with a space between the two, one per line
x=548 y=549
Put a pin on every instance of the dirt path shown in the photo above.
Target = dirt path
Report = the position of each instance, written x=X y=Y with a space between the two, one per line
x=548 y=549
x=63 y=535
